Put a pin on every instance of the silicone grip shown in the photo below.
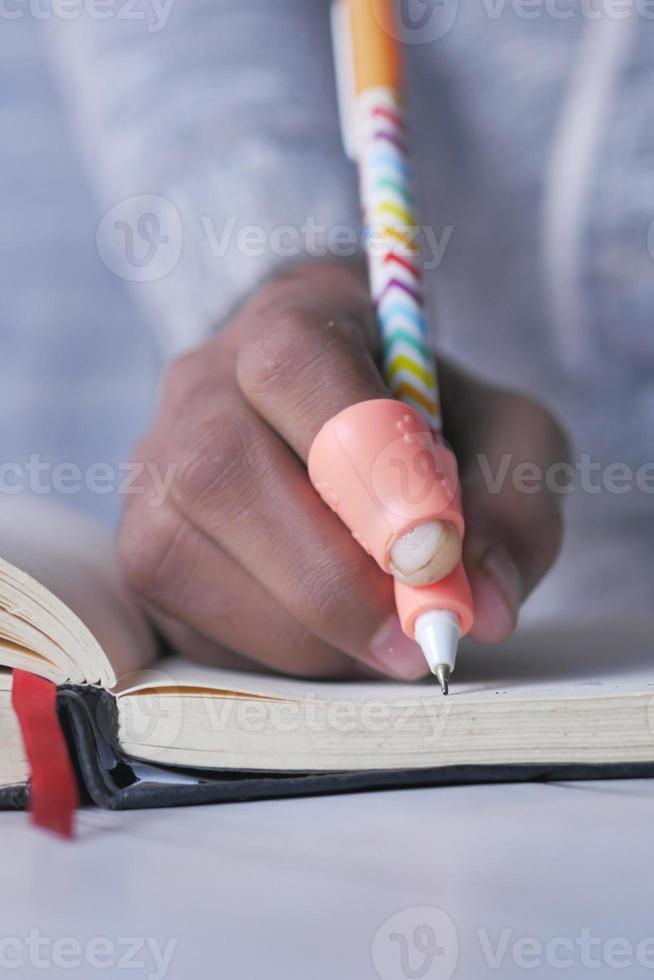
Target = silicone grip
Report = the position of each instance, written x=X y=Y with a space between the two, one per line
x=451 y=593
x=378 y=466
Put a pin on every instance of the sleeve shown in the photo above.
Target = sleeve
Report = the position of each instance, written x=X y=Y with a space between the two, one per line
x=210 y=130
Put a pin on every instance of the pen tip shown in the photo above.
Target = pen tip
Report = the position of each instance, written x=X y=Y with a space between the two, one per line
x=443 y=675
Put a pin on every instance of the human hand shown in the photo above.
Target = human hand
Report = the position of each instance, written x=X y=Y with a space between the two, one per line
x=244 y=565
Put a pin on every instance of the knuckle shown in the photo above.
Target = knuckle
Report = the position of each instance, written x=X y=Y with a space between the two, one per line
x=218 y=459
x=330 y=598
x=143 y=546
x=300 y=342
x=269 y=357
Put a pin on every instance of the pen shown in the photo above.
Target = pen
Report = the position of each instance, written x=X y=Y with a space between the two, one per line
x=378 y=139
x=378 y=452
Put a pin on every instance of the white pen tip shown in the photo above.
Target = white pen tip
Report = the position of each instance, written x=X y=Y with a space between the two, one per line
x=438 y=633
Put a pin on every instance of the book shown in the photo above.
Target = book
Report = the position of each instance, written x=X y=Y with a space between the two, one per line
x=145 y=730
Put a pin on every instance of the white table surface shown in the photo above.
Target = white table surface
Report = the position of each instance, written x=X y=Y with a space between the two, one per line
x=301 y=888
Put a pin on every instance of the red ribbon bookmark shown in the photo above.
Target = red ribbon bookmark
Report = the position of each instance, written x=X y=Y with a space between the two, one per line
x=53 y=788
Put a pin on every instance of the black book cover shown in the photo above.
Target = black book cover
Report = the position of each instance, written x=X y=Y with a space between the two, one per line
x=114 y=781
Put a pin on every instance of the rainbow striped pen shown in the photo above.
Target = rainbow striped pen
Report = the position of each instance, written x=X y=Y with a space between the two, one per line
x=369 y=72
x=375 y=133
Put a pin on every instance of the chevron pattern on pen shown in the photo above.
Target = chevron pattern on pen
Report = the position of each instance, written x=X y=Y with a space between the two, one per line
x=392 y=242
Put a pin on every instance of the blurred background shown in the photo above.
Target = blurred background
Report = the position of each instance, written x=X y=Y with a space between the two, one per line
x=536 y=150
x=79 y=365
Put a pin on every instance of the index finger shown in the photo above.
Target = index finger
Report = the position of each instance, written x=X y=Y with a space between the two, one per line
x=306 y=351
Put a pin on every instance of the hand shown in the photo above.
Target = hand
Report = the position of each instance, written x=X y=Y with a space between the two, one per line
x=243 y=564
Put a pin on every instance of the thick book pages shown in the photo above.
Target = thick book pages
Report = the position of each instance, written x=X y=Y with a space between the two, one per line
x=64 y=612
x=13 y=764
x=65 y=615
x=552 y=703
x=587 y=707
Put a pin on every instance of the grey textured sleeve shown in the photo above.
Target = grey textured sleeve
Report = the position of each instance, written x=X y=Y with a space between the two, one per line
x=210 y=130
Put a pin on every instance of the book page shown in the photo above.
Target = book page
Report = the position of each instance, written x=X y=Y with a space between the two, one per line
x=13 y=763
x=73 y=558
x=555 y=662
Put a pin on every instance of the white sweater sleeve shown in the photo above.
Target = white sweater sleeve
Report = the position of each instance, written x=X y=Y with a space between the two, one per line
x=210 y=130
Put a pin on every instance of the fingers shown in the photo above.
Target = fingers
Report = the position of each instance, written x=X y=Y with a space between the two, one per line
x=191 y=581
x=209 y=606
x=243 y=559
x=513 y=532
x=243 y=489
x=307 y=355
x=207 y=603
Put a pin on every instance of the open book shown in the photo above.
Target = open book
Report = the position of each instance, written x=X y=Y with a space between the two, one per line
x=148 y=732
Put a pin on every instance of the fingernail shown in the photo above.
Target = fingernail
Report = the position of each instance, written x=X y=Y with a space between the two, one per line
x=417 y=547
x=498 y=565
x=396 y=655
